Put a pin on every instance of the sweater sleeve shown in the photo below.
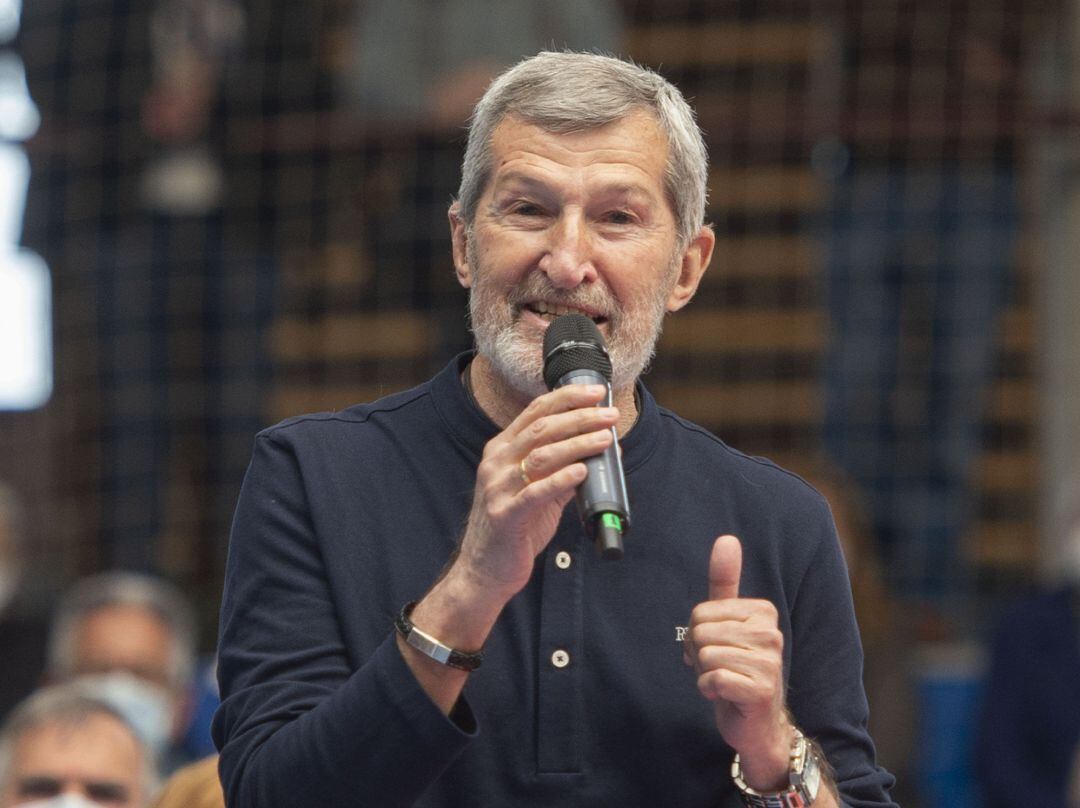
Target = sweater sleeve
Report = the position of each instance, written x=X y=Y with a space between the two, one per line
x=826 y=693
x=300 y=723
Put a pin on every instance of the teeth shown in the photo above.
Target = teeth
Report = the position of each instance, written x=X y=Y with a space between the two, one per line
x=556 y=311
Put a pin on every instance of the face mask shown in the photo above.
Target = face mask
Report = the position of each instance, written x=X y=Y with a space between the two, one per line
x=147 y=707
x=62 y=801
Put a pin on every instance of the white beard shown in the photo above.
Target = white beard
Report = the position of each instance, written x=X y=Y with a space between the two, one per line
x=517 y=357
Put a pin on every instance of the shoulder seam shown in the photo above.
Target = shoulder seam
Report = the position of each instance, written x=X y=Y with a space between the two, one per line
x=345 y=416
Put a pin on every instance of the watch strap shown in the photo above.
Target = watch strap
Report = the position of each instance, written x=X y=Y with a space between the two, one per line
x=431 y=647
x=804 y=779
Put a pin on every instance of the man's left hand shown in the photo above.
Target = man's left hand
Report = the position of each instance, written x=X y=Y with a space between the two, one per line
x=736 y=647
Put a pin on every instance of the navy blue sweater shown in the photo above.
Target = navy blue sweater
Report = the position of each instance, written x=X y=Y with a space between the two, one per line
x=345 y=516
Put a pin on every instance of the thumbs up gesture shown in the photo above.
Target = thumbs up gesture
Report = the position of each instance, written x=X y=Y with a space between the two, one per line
x=736 y=647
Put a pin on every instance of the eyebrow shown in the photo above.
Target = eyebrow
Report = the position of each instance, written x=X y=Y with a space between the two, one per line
x=36 y=785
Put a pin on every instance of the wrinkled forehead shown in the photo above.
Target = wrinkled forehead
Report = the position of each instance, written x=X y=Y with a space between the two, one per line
x=95 y=746
x=630 y=151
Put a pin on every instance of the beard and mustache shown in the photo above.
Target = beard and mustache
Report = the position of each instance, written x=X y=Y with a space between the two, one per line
x=631 y=332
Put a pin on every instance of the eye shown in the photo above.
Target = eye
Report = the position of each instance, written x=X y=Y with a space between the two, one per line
x=619 y=217
x=526 y=208
x=107 y=793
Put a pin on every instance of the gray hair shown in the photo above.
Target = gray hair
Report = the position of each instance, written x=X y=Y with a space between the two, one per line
x=154 y=595
x=573 y=92
x=66 y=705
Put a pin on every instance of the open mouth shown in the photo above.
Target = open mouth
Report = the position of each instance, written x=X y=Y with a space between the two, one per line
x=549 y=311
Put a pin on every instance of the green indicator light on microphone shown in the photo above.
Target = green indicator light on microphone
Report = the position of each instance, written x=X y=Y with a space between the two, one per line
x=612 y=520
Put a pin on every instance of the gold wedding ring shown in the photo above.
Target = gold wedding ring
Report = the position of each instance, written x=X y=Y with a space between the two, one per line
x=524 y=474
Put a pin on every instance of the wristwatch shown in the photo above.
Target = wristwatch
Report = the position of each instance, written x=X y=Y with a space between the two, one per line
x=804 y=779
x=430 y=647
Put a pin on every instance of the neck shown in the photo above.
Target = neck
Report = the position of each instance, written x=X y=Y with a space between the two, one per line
x=502 y=403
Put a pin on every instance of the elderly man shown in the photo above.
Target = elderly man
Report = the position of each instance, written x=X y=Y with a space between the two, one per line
x=65 y=748
x=131 y=638
x=692 y=672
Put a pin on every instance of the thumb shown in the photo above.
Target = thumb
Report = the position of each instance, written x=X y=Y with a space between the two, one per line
x=725 y=568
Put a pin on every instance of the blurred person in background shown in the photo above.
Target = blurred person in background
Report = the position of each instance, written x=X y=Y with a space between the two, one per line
x=1029 y=732
x=130 y=638
x=887 y=638
x=193 y=786
x=64 y=748
x=22 y=628
x=412 y=70
x=426 y=65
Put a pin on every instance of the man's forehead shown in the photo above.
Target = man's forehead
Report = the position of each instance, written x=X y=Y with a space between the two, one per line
x=627 y=154
x=69 y=745
x=641 y=119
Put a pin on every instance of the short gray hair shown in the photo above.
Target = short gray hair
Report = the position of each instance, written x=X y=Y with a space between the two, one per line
x=66 y=705
x=154 y=595
x=573 y=92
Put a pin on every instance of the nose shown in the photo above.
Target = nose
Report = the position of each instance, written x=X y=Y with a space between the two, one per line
x=568 y=260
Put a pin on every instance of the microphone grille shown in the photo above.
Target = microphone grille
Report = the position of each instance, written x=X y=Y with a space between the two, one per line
x=573 y=342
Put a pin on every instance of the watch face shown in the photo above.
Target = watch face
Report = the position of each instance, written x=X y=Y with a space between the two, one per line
x=812 y=777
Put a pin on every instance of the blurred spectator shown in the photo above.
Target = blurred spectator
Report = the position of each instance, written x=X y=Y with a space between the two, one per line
x=191 y=40
x=887 y=639
x=1030 y=728
x=205 y=699
x=130 y=638
x=63 y=747
x=22 y=629
x=194 y=786
x=413 y=70
x=132 y=203
x=920 y=239
x=427 y=64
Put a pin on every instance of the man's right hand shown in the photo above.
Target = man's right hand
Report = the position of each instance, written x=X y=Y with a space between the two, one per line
x=527 y=476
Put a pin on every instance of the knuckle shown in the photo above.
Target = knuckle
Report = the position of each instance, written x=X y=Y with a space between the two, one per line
x=534 y=408
x=536 y=429
x=485 y=473
x=539 y=457
x=773 y=640
x=698 y=636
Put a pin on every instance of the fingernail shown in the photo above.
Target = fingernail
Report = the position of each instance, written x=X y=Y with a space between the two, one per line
x=596 y=389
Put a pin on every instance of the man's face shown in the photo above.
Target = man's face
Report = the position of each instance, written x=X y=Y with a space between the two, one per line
x=97 y=758
x=573 y=223
x=124 y=638
x=127 y=639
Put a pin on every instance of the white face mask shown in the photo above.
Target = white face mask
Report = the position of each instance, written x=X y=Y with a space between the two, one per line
x=147 y=707
x=62 y=801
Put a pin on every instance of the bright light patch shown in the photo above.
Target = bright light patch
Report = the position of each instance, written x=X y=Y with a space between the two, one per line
x=26 y=378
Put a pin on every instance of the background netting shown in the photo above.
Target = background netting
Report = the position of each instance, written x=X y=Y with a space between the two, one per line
x=244 y=209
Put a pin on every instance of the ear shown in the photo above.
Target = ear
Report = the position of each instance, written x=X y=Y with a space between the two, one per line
x=458 y=233
x=695 y=260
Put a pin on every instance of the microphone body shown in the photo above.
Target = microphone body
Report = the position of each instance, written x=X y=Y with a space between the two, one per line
x=574 y=353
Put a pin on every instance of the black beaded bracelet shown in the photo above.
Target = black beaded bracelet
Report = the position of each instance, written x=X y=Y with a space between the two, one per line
x=431 y=647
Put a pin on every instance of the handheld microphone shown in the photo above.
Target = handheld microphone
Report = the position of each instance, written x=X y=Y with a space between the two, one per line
x=574 y=353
